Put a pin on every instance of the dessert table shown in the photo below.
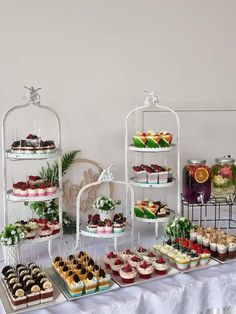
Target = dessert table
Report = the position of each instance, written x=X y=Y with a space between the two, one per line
x=201 y=291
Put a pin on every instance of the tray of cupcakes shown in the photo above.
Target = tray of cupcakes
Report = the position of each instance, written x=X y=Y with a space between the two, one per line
x=79 y=276
x=136 y=266
x=185 y=255
x=27 y=287
x=221 y=244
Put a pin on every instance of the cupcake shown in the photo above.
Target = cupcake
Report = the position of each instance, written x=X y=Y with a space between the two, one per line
x=127 y=274
x=194 y=259
x=90 y=284
x=149 y=257
x=101 y=227
x=75 y=285
x=139 y=139
x=108 y=227
x=182 y=262
x=145 y=270
x=103 y=280
x=141 y=251
x=160 y=266
x=116 y=266
x=204 y=257
x=109 y=259
x=222 y=250
x=135 y=261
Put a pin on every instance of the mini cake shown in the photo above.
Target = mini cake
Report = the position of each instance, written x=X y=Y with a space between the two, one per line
x=145 y=270
x=42 y=189
x=118 y=226
x=83 y=274
x=45 y=231
x=75 y=285
x=149 y=257
x=34 y=180
x=116 y=266
x=128 y=274
x=222 y=250
x=33 y=293
x=152 y=176
x=92 y=227
x=101 y=227
x=90 y=265
x=108 y=227
x=30 y=233
x=182 y=262
x=194 y=259
x=213 y=247
x=103 y=280
x=46 y=291
x=232 y=250
x=32 y=191
x=139 y=139
x=153 y=139
x=140 y=175
x=50 y=188
x=135 y=261
x=204 y=257
x=55 y=227
x=160 y=266
x=95 y=270
x=32 y=139
x=90 y=284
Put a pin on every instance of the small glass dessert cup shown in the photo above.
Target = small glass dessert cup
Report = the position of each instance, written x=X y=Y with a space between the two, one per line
x=204 y=257
x=145 y=270
x=135 y=261
x=194 y=260
x=149 y=257
x=110 y=258
x=182 y=262
x=126 y=255
x=116 y=266
x=127 y=274
x=161 y=266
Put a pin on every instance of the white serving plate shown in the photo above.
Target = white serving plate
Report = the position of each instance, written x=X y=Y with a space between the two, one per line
x=209 y=264
x=172 y=271
x=157 y=220
x=149 y=185
x=14 y=198
x=22 y=156
x=103 y=236
x=151 y=150
x=63 y=287
x=38 y=239
x=58 y=298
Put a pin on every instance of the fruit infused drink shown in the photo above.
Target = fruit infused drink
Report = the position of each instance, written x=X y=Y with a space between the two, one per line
x=196 y=181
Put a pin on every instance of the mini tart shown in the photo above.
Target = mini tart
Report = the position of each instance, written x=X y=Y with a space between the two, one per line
x=116 y=266
x=109 y=259
x=145 y=270
x=128 y=274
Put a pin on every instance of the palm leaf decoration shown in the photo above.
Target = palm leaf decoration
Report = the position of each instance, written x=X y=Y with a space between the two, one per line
x=50 y=172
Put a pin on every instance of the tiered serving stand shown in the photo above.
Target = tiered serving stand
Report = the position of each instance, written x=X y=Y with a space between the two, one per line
x=32 y=100
x=151 y=105
x=105 y=177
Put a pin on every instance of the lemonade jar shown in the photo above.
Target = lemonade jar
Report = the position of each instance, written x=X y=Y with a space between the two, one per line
x=196 y=181
x=223 y=177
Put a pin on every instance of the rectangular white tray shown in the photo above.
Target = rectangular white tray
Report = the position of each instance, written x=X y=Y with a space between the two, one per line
x=172 y=271
x=228 y=260
x=210 y=264
x=63 y=287
x=58 y=298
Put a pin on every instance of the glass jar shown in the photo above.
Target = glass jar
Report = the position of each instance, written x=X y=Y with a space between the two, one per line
x=223 y=177
x=196 y=181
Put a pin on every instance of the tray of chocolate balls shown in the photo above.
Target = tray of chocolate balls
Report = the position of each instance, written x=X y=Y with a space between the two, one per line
x=27 y=287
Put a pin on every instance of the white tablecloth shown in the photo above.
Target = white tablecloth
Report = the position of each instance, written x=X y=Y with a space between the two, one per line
x=194 y=292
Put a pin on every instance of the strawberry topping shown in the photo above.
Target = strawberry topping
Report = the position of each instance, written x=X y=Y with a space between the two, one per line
x=127 y=268
x=111 y=255
x=118 y=262
x=161 y=260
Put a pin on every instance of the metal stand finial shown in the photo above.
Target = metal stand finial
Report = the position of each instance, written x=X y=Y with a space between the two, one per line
x=33 y=96
x=151 y=98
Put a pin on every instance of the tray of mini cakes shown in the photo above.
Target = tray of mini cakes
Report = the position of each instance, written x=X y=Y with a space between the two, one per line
x=152 y=141
x=151 y=211
x=27 y=287
x=220 y=243
x=185 y=255
x=136 y=266
x=79 y=276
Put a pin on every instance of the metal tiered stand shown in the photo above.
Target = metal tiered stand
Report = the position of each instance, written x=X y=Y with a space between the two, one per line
x=151 y=105
x=32 y=100
x=211 y=212
x=105 y=177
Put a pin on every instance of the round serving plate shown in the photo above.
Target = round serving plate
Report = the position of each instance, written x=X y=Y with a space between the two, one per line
x=36 y=156
x=15 y=198
x=149 y=185
x=151 y=150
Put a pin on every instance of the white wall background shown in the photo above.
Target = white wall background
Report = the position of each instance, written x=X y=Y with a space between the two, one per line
x=93 y=60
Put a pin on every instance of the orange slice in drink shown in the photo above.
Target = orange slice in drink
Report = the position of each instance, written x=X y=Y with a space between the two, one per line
x=201 y=175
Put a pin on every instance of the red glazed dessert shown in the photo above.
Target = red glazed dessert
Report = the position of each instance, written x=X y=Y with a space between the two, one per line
x=145 y=270
x=161 y=267
x=116 y=266
x=45 y=231
x=109 y=259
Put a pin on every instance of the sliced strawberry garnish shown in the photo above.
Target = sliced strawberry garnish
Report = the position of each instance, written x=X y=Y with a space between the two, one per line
x=151 y=254
x=135 y=259
x=144 y=265
x=111 y=255
x=161 y=260
x=127 y=268
x=119 y=262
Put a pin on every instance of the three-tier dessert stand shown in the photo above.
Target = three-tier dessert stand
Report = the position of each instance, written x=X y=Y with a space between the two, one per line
x=105 y=177
x=33 y=99
x=151 y=105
